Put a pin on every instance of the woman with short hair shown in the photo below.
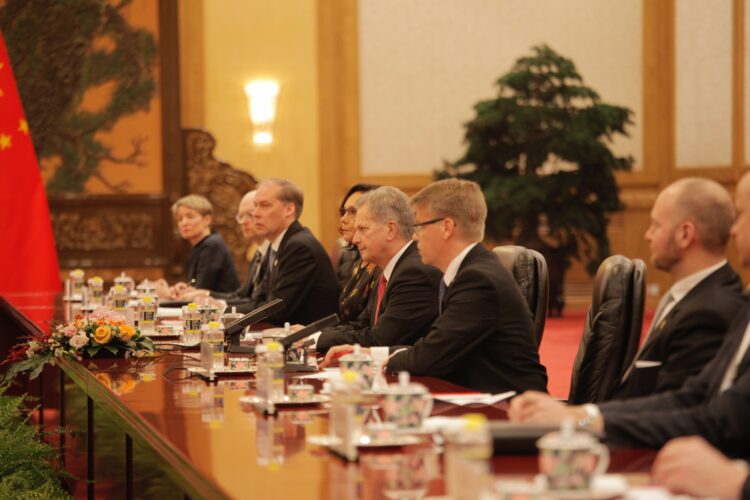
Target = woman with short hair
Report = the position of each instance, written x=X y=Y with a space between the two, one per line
x=210 y=265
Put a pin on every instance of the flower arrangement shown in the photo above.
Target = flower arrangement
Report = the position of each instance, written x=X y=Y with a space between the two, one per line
x=104 y=332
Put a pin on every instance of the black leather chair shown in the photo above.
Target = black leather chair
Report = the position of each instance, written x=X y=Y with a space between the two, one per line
x=529 y=269
x=612 y=331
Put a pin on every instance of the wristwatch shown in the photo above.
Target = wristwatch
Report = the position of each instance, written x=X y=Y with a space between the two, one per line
x=592 y=412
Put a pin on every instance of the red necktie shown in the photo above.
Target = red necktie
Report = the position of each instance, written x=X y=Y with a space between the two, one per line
x=382 y=283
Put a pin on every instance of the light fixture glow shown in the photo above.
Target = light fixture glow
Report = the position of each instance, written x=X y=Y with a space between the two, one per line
x=261 y=99
x=263 y=138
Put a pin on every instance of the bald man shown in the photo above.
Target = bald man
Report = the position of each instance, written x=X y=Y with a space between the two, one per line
x=714 y=404
x=690 y=224
x=254 y=275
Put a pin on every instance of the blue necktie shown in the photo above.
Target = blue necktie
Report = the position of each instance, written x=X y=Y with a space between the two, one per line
x=441 y=295
x=271 y=259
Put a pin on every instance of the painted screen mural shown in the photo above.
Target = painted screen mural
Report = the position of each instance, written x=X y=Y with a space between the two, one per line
x=87 y=72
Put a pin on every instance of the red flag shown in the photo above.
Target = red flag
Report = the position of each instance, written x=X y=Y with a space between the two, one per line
x=28 y=258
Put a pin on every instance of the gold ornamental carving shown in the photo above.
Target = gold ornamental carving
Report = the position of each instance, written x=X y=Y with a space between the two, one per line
x=104 y=231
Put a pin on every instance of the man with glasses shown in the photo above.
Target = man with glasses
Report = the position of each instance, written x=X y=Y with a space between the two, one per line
x=252 y=285
x=405 y=302
x=483 y=338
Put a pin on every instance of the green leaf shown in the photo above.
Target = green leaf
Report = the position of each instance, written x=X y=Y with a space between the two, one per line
x=111 y=348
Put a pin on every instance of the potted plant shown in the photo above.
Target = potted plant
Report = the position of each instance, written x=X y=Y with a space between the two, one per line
x=541 y=150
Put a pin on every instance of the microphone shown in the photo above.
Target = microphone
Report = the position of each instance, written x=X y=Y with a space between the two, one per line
x=310 y=329
x=234 y=329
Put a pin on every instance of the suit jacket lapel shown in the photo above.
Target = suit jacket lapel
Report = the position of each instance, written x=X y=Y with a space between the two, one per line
x=663 y=325
x=409 y=250
x=717 y=276
x=293 y=228
x=253 y=275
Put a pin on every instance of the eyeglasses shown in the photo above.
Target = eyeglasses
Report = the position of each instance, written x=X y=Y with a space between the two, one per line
x=242 y=216
x=428 y=222
x=351 y=211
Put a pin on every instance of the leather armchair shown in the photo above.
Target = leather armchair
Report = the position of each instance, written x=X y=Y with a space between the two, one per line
x=612 y=331
x=529 y=269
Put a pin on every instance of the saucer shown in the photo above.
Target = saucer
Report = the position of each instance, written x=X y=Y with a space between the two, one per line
x=323 y=440
x=228 y=371
x=316 y=400
x=219 y=371
x=603 y=487
x=364 y=441
x=584 y=494
x=397 y=440
x=185 y=345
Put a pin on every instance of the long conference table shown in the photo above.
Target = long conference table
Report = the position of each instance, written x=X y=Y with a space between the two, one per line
x=145 y=428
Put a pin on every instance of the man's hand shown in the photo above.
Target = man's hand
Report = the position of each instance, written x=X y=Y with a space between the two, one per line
x=177 y=289
x=334 y=353
x=162 y=289
x=689 y=465
x=540 y=408
x=190 y=293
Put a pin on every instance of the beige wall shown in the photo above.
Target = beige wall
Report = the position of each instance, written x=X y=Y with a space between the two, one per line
x=224 y=44
x=425 y=63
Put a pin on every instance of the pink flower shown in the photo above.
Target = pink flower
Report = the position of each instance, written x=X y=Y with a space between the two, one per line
x=78 y=341
x=69 y=330
x=98 y=313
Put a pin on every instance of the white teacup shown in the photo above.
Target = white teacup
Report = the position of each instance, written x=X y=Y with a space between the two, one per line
x=571 y=460
x=406 y=404
x=300 y=392
x=361 y=364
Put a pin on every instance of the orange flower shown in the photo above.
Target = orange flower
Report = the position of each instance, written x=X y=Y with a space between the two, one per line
x=104 y=379
x=126 y=332
x=126 y=384
x=103 y=335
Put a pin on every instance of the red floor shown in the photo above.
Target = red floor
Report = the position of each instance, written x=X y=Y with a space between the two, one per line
x=559 y=348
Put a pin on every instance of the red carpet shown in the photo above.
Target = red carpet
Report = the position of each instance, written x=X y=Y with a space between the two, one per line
x=559 y=348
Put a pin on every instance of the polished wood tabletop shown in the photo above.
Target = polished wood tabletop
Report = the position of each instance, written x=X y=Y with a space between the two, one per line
x=212 y=445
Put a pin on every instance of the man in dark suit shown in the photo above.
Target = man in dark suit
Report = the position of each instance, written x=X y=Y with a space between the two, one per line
x=483 y=338
x=688 y=237
x=714 y=404
x=254 y=274
x=406 y=301
x=297 y=268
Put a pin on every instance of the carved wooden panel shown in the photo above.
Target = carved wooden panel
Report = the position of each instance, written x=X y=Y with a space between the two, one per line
x=111 y=230
x=115 y=232
x=222 y=184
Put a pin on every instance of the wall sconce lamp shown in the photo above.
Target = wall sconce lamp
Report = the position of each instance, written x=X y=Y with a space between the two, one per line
x=261 y=101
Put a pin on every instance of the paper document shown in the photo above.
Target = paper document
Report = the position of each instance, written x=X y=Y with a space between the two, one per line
x=474 y=398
